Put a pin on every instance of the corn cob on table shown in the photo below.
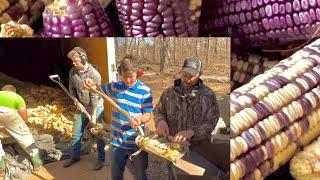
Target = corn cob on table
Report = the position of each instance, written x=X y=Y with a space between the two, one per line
x=162 y=147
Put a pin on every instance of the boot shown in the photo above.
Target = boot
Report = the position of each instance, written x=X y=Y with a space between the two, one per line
x=99 y=165
x=70 y=162
x=37 y=162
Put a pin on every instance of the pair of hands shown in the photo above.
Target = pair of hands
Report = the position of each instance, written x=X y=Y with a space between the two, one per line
x=82 y=109
x=181 y=136
x=134 y=122
x=89 y=84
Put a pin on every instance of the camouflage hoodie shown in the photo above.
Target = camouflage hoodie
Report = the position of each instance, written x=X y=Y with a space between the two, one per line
x=197 y=111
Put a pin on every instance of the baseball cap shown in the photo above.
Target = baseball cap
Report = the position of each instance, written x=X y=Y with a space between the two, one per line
x=192 y=65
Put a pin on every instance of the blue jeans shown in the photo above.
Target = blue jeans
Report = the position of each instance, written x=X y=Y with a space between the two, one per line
x=119 y=158
x=170 y=170
x=79 y=124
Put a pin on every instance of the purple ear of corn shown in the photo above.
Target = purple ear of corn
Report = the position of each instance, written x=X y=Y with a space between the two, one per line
x=244 y=67
x=76 y=18
x=259 y=22
x=159 y=18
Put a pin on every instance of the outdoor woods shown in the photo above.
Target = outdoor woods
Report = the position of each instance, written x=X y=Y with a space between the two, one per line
x=167 y=54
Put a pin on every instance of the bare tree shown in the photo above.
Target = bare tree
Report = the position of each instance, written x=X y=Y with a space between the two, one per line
x=130 y=47
x=138 y=44
x=167 y=54
x=164 y=54
x=207 y=49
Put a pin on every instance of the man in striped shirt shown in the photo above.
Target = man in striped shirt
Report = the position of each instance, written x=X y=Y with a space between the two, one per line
x=136 y=98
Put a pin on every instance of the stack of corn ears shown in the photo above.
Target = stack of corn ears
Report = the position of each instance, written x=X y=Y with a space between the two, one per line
x=246 y=67
x=50 y=119
x=274 y=114
x=24 y=11
x=42 y=95
x=306 y=164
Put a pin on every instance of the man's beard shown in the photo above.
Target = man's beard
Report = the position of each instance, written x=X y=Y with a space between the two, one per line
x=187 y=87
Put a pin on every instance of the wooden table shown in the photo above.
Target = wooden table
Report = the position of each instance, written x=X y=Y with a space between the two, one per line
x=209 y=161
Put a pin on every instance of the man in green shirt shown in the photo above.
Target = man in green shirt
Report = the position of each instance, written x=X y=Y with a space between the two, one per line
x=13 y=116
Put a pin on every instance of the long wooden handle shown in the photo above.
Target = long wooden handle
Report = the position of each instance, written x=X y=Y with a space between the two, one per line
x=55 y=78
x=113 y=104
x=118 y=108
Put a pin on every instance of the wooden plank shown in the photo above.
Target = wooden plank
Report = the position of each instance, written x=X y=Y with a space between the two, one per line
x=42 y=174
x=194 y=164
x=218 y=152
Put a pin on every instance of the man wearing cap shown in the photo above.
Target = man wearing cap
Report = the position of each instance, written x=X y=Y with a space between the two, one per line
x=188 y=110
x=85 y=101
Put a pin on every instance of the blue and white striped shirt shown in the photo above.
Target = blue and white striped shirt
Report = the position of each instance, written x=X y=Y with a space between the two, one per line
x=136 y=100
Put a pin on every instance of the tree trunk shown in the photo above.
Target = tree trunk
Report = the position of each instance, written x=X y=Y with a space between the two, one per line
x=163 y=54
x=207 y=47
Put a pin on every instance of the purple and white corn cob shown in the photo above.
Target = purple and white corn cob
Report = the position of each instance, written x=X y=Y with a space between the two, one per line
x=76 y=18
x=247 y=66
x=159 y=18
x=272 y=113
x=261 y=22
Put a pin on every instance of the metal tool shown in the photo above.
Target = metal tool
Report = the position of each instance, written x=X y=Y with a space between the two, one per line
x=55 y=78
x=116 y=106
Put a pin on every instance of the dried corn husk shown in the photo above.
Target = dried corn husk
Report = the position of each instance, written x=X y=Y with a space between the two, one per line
x=14 y=29
x=49 y=118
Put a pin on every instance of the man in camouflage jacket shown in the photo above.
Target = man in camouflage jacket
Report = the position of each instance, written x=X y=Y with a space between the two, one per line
x=188 y=110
